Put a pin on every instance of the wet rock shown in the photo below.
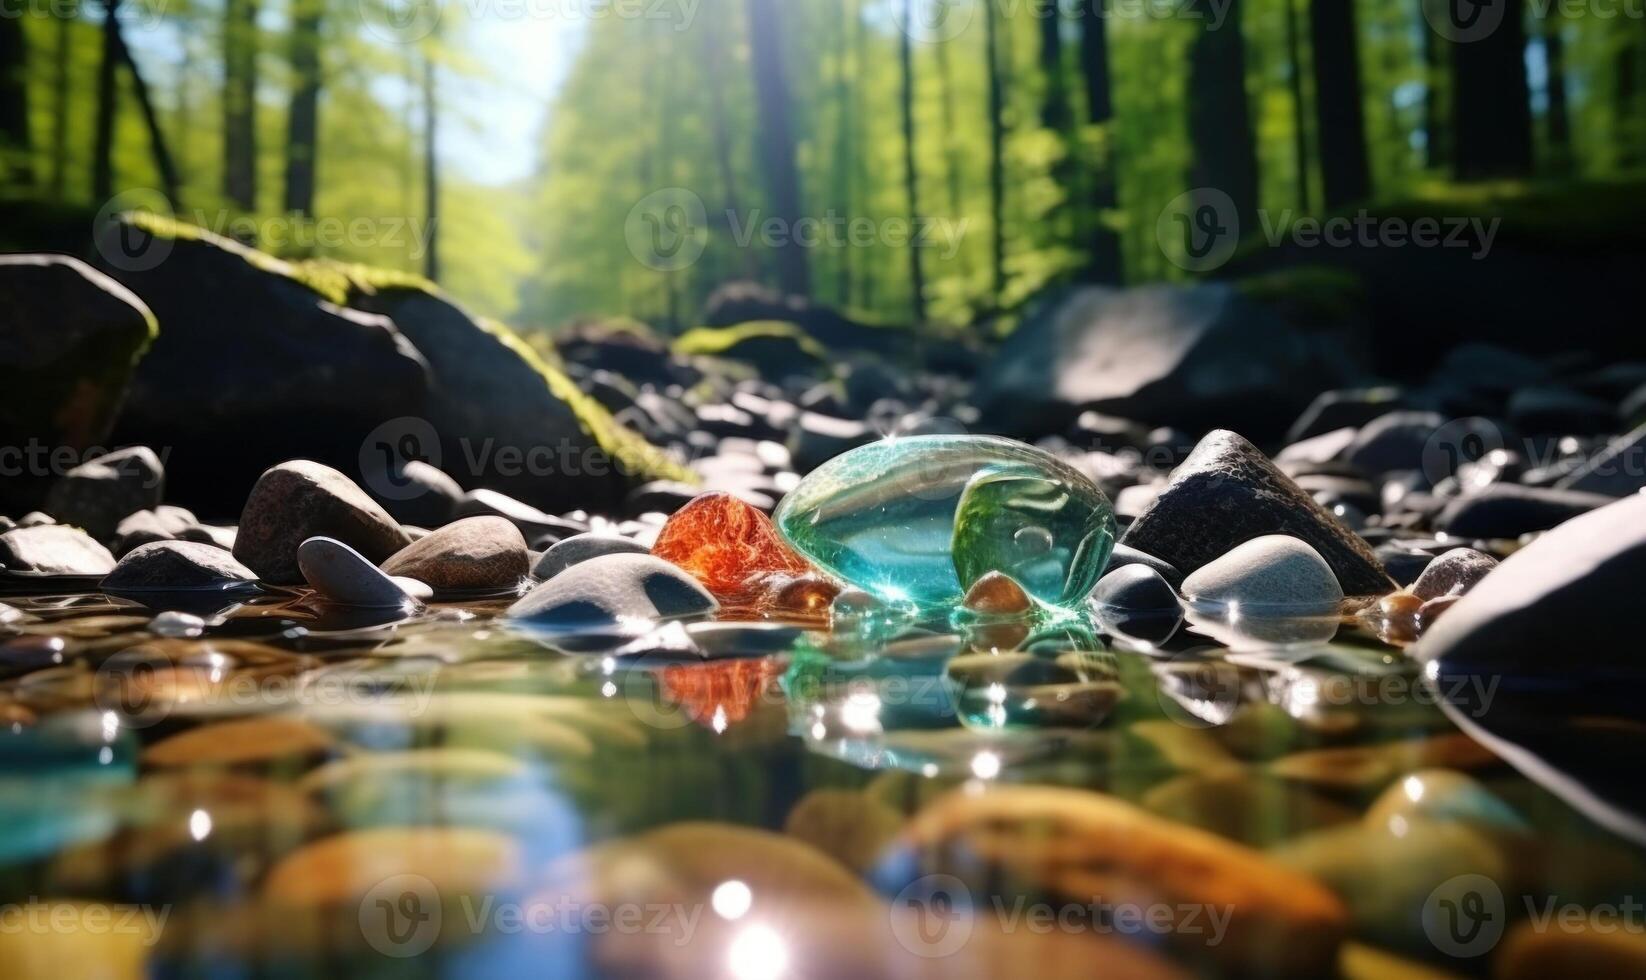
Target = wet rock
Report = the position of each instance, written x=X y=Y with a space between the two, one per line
x=97 y=494
x=1136 y=589
x=149 y=526
x=343 y=575
x=1088 y=847
x=35 y=519
x=52 y=549
x=580 y=548
x=299 y=500
x=1454 y=573
x=1507 y=511
x=1394 y=442
x=819 y=438
x=240 y=742
x=1520 y=619
x=1126 y=555
x=1434 y=609
x=612 y=589
x=1616 y=471
x=72 y=338
x=1227 y=493
x=534 y=524
x=173 y=624
x=1559 y=410
x=997 y=594
x=1335 y=411
x=476 y=554
x=417 y=493
x=177 y=565
x=1169 y=355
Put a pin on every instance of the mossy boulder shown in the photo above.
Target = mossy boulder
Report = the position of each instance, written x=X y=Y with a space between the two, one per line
x=507 y=418
x=69 y=338
x=254 y=364
x=776 y=349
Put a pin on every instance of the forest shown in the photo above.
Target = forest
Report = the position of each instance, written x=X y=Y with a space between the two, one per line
x=937 y=161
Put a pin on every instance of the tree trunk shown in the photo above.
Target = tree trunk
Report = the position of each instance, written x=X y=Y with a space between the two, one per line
x=1625 y=108
x=1107 y=263
x=431 y=171
x=1560 y=113
x=1300 y=106
x=911 y=172
x=1340 y=117
x=1220 y=125
x=60 y=108
x=777 y=152
x=16 y=148
x=1491 y=103
x=151 y=120
x=1436 y=135
x=997 y=155
x=303 y=122
x=1054 y=110
x=240 y=103
x=102 y=169
x=841 y=171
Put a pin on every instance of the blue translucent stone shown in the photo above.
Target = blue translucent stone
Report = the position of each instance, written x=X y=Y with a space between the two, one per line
x=921 y=519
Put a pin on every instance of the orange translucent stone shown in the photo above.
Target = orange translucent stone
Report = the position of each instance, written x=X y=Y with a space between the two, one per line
x=734 y=550
x=722 y=694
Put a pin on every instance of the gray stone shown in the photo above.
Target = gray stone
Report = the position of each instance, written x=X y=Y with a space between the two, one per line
x=1227 y=493
x=99 y=493
x=1320 y=449
x=1334 y=411
x=177 y=566
x=819 y=438
x=611 y=590
x=533 y=523
x=580 y=548
x=1559 y=410
x=299 y=500
x=345 y=576
x=1126 y=555
x=1273 y=574
x=476 y=554
x=1135 y=589
x=35 y=518
x=52 y=549
x=1454 y=573
x=1504 y=510
x=1616 y=471
x=1393 y=442
x=417 y=493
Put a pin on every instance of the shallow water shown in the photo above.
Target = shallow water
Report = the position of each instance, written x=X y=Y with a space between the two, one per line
x=301 y=790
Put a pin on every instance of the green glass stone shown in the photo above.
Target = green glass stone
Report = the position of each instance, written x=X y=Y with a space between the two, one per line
x=921 y=519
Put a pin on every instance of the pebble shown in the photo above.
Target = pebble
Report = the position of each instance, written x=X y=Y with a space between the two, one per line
x=341 y=871
x=997 y=594
x=1394 y=441
x=1453 y=573
x=1274 y=574
x=423 y=495
x=476 y=554
x=1504 y=510
x=1616 y=471
x=534 y=524
x=50 y=549
x=580 y=548
x=177 y=624
x=299 y=500
x=343 y=575
x=1137 y=589
x=1442 y=794
x=1126 y=555
x=240 y=742
x=614 y=589
x=178 y=565
x=97 y=494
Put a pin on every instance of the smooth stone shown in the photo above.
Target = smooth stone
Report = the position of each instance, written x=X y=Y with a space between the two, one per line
x=1336 y=411
x=660 y=496
x=471 y=555
x=1136 y=589
x=1505 y=510
x=240 y=742
x=1616 y=471
x=35 y=518
x=534 y=524
x=996 y=594
x=1404 y=563
x=1441 y=794
x=1275 y=574
x=818 y=438
x=613 y=589
x=148 y=526
x=1227 y=493
x=1370 y=768
x=343 y=575
x=173 y=624
x=423 y=494
x=299 y=500
x=421 y=591
x=1521 y=619
x=180 y=565
x=52 y=549
x=1318 y=450
x=1559 y=410
x=848 y=825
x=1434 y=609
x=343 y=870
x=1124 y=555
x=1453 y=573
x=98 y=493
x=580 y=548
x=1393 y=442
x=1088 y=847
x=923 y=518
x=731 y=547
